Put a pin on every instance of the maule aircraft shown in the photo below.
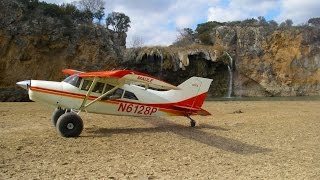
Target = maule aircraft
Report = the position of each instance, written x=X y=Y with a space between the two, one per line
x=118 y=92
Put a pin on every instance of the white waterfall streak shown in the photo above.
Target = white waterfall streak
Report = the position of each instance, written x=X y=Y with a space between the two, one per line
x=230 y=69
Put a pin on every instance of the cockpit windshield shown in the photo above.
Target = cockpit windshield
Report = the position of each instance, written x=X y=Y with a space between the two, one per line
x=74 y=80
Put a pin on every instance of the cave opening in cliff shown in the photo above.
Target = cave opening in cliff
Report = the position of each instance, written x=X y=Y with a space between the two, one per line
x=201 y=66
x=151 y=64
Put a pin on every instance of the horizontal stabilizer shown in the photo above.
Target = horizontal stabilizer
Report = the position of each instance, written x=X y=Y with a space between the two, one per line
x=193 y=111
x=203 y=112
x=187 y=108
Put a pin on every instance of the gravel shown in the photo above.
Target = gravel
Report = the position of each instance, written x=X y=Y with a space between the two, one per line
x=267 y=140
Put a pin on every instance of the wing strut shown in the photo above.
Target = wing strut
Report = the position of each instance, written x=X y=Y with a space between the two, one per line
x=100 y=97
x=88 y=93
x=84 y=105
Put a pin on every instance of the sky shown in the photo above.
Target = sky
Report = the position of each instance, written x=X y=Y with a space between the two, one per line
x=157 y=22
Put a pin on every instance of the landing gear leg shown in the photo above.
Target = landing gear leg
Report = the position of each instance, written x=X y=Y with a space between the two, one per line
x=192 y=122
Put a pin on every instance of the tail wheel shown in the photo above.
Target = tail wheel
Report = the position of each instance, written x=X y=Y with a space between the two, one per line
x=69 y=125
x=192 y=123
x=56 y=114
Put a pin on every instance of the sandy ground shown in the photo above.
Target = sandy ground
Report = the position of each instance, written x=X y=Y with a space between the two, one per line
x=269 y=140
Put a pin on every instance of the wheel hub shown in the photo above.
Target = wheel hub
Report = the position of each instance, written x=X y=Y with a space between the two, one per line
x=70 y=126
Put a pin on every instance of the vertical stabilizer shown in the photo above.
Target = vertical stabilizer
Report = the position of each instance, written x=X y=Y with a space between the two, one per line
x=192 y=92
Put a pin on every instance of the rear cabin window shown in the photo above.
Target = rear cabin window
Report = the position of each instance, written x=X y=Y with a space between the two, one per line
x=98 y=88
x=86 y=85
x=117 y=94
x=130 y=95
x=108 y=88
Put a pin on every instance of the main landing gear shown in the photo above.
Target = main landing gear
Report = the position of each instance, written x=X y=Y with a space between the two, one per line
x=56 y=114
x=68 y=124
x=192 y=122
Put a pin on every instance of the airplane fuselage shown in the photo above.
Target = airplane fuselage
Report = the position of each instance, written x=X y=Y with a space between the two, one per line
x=118 y=92
x=65 y=95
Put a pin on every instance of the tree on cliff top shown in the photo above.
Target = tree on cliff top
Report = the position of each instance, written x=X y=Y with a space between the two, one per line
x=118 y=21
x=136 y=42
x=186 y=37
x=93 y=7
x=286 y=23
x=203 y=31
x=99 y=15
x=314 y=21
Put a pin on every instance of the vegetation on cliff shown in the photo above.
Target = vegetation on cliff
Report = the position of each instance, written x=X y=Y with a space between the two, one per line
x=68 y=13
x=266 y=59
x=79 y=12
x=38 y=39
x=202 y=34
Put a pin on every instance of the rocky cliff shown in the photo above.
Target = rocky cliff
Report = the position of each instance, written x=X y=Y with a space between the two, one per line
x=37 y=45
x=242 y=60
x=247 y=61
x=275 y=62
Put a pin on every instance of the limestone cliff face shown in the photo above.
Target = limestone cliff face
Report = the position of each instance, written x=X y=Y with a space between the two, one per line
x=263 y=61
x=39 y=46
x=276 y=62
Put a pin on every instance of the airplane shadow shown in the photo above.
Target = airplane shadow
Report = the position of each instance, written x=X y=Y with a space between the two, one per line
x=196 y=133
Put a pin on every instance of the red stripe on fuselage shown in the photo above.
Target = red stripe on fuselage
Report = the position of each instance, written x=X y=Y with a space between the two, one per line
x=169 y=107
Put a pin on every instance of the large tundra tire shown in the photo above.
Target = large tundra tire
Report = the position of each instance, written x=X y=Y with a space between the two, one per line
x=69 y=125
x=56 y=114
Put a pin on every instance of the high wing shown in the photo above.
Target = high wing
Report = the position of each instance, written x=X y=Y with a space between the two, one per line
x=71 y=71
x=117 y=78
x=124 y=77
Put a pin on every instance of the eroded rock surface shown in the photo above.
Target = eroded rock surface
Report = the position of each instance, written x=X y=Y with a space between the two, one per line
x=266 y=61
x=37 y=46
x=276 y=62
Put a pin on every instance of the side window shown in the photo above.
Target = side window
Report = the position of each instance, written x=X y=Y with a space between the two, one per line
x=98 y=88
x=108 y=88
x=77 y=84
x=117 y=94
x=86 y=85
x=129 y=95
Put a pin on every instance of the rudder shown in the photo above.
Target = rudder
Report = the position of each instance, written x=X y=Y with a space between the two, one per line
x=192 y=92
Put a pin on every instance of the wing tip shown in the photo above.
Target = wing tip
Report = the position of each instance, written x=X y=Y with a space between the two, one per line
x=71 y=71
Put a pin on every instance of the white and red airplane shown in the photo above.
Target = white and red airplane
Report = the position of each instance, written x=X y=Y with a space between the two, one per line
x=118 y=92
